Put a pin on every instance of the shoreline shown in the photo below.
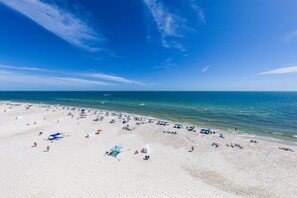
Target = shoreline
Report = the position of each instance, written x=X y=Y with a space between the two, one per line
x=236 y=133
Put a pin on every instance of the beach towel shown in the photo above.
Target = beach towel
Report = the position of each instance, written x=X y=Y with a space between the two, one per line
x=116 y=150
x=56 y=136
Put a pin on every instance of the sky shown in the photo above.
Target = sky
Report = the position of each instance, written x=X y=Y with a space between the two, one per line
x=187 y=45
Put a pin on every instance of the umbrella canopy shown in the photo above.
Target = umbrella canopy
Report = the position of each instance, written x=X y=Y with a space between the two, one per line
x=99 y=131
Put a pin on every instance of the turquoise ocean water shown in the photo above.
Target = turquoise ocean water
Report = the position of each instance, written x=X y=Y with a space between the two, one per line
x=270 y=114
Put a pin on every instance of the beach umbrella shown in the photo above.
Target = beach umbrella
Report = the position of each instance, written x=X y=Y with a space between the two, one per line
x=99 y=131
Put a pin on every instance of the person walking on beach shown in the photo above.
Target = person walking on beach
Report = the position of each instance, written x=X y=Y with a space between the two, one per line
x=35 y=144
x=192 y=149
x=48 y=148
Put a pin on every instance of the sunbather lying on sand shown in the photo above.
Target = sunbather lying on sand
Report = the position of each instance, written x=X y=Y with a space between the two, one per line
x=192 y=149
x=215 y=144
x=285 y=149
x=234 y=145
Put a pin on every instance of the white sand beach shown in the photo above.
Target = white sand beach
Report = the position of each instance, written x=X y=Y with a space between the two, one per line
x=76 y=166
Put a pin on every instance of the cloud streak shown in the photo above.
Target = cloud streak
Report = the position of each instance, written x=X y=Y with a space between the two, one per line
x=282 y=70
x=168 y=24
x=60 y=22
x=205 y=69
x=289 y=37
x=198 y=10
x=28 y=80
x=164 y=20
x=71 y=76
x=25 y=68
x=113 y=78
x=172 y=27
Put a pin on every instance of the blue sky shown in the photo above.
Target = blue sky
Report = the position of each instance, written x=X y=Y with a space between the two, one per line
x=148 y=45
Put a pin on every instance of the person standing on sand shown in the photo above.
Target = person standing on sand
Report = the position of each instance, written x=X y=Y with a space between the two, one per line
x=192 y=149
x=48 y=148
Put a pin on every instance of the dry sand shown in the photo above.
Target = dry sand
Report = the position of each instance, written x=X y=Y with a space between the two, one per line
x=76 y=166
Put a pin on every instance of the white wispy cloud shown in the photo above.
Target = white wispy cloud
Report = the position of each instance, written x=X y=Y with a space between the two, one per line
x=205 y=69
x=168 y=24
x=164 y=20
x=173 y=27
x=290 y=36
x=60 y=22
x=78 y=76
x=198 y=10
x=282 y=70
x=167 y=64
x=21 y=79
x=78 y=80
x=113 y=78
x=25 y=68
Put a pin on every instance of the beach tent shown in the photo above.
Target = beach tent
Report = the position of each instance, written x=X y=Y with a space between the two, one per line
x=191 y=128
x=161 y=122
x=150 y=121
x=178 y=126
x=56 y=136
x=145 y=149
x=205 y=130
x=116 y=150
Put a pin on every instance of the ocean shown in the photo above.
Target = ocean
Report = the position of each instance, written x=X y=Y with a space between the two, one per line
x=268 y=114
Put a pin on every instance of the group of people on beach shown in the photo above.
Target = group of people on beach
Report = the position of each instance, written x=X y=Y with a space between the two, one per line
x=47 y=148
x=129 y=128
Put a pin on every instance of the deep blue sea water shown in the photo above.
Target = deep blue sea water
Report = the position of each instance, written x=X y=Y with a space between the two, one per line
x=272 y=114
